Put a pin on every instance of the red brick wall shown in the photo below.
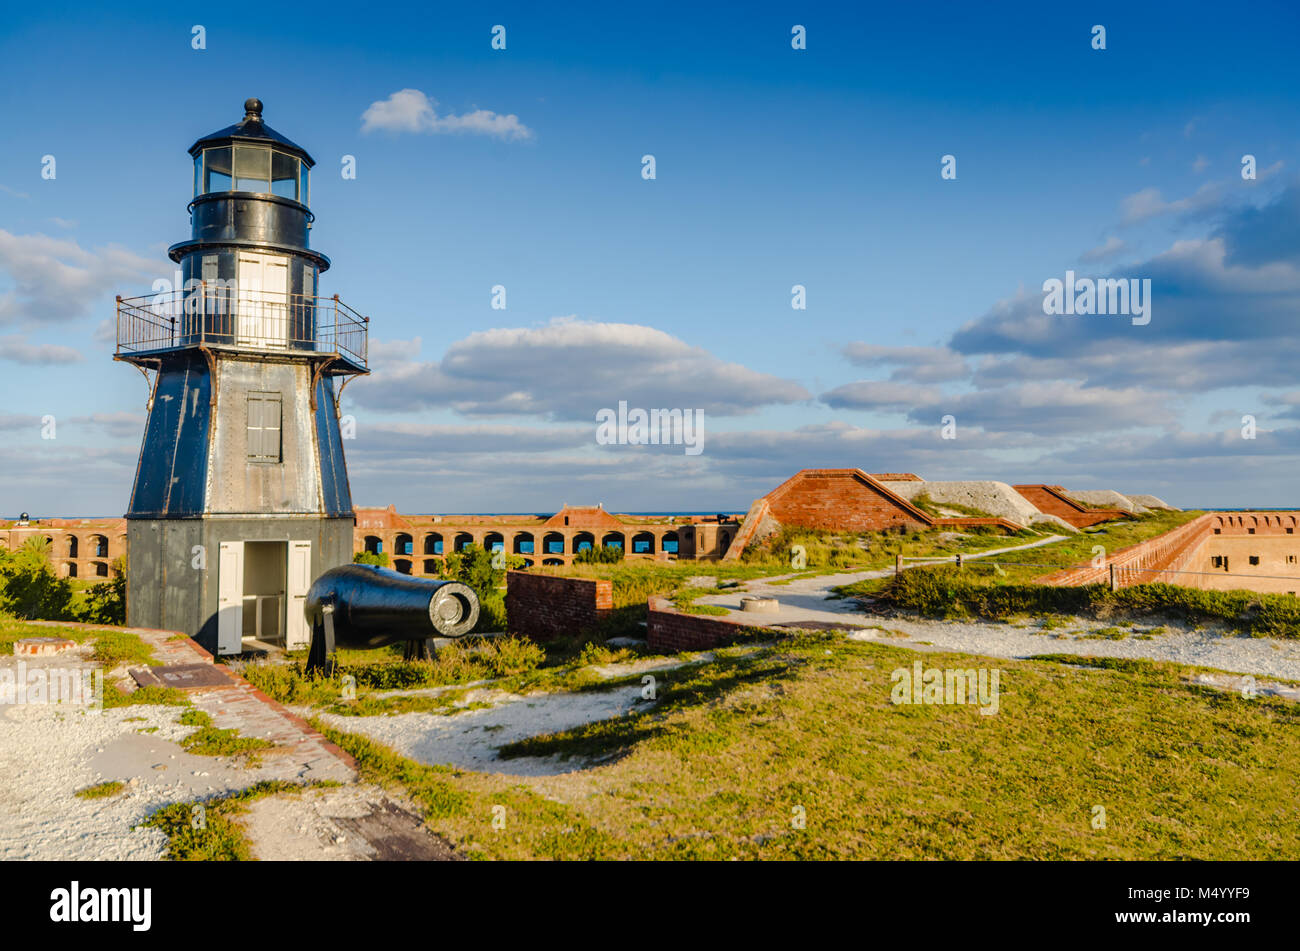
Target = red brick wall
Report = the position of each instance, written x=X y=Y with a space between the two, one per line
x=1141 y=563
x=1048 y=499
x=546 y=606
x=840 y=500
x=669 y=631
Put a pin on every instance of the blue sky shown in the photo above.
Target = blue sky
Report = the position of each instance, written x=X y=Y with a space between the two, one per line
x=775 y=167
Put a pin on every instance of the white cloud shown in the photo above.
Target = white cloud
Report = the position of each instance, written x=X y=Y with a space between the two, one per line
x=1148 y=203
x=917 y=364
x=56 y=280
x=570 y=369
x=1108 y=249
x=410 y=110
x=16 y=349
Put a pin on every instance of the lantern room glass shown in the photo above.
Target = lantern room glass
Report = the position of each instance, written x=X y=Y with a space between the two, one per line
x=251 y=168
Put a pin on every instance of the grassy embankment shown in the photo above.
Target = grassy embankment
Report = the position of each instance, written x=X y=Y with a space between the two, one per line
x=736 y=750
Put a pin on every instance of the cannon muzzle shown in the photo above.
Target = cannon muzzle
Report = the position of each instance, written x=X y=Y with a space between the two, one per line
x=364 y=607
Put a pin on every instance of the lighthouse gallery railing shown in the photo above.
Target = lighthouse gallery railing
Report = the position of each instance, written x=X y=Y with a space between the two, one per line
x=243 y=318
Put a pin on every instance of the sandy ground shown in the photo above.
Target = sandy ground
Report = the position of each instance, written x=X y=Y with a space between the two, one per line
x=341 y=824
x=50 y=751
x=469 y=740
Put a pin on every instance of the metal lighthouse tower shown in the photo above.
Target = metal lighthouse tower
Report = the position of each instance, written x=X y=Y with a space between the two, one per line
x=241 y=493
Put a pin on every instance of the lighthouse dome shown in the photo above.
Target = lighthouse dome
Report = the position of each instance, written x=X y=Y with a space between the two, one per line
x=251 y=157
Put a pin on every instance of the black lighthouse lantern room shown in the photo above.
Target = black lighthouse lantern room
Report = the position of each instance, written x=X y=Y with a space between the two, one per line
x=241 y=494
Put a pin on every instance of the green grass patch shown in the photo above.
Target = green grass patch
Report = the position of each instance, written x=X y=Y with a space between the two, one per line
x=207 y=740
x=112 y=646
x=207 y=831
x=104 y=790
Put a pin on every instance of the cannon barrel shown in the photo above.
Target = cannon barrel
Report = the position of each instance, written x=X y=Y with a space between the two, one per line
x=374 y=607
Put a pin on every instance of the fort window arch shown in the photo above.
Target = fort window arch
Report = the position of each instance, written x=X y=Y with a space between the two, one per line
x=432 y=544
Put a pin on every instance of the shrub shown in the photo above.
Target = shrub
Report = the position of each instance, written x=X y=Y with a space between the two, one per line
x=103 y=603
x=29 y=589
x=379 y=558
x=476 y=567
x=604 y=555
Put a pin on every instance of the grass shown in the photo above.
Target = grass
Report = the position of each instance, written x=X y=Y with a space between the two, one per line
x=207 y=740
x=943 y=509
x=112 y=646
x=733 y=749
x=208 y=831
x=105 y=790
x=512 y=664
x=944 y=591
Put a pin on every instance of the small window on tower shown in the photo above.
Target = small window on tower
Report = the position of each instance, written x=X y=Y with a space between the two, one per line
x=264 y=416
x=1254 y=559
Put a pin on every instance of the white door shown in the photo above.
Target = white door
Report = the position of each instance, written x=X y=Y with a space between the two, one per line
x=263 y=299
x=296 y=633
x=230 y=598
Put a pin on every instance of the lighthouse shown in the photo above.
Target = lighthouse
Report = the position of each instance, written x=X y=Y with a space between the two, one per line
x=241 y=493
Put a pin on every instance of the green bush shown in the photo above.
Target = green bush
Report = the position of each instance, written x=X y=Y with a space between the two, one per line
x=604 y=555
x=103 y=603
x=476 y=567
x=379 y=558
x=29 y=588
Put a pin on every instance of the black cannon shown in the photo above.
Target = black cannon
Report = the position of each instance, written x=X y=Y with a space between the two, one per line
x=364 y=607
